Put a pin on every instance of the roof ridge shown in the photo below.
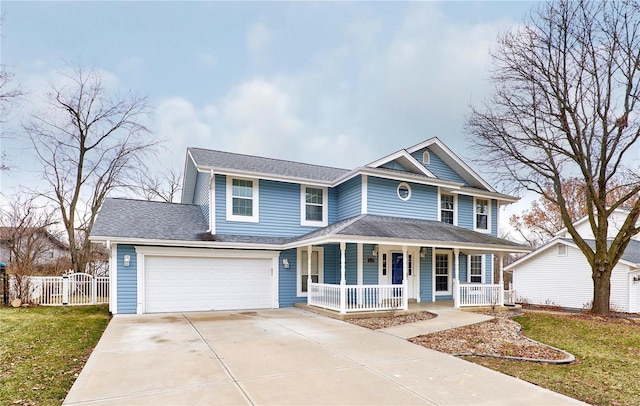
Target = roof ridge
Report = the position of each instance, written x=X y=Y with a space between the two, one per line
x=269 y=158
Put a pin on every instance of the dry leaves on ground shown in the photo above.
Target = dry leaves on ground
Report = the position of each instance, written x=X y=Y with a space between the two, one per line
x=375 y=323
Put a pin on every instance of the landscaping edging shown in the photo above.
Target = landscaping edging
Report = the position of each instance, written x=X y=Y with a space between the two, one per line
x=570 y=358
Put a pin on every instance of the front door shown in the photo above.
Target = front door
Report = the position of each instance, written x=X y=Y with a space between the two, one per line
x=396 y=268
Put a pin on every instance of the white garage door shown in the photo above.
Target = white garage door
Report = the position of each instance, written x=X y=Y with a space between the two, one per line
x=175 y=284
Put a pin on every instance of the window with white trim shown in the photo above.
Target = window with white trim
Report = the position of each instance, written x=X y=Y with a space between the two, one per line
x=313 y=206
x=242 y=199
x=475 y=268
x=317 y=266
x=562 y=250
x=482 y=217
x=404 y=191
x=426 y=158
x=447 y=208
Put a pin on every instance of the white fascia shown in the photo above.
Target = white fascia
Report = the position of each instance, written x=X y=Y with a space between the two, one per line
x=262 y=176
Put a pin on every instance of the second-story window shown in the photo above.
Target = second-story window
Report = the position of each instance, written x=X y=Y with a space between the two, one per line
x=313 y=206
x=242 y=199
x=446 y=208
x=482 y=214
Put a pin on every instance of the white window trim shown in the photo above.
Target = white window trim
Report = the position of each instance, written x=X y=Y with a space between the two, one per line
x=475 y=217
x=303 y=207
x=401 y=184
x=482 y=267
x=455 y=206
x=449 y=254
x=426 y=157
x=255 y=218
x=566 y=250
x=302 y=256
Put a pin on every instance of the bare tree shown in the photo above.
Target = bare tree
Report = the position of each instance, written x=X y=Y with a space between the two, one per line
x=163 y=187
x=25 y=231
x=564 y=104
x=543 y=220
x=88 y=144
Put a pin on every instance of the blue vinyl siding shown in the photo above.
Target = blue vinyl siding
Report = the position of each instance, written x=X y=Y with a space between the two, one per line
x=488 y=274
x=127 y=287
x=369 y=269
x=437 y=166
x=462 y=271
x=350 y=198
x=332 y=263
x=383 y=200
x=201 y=195
x=287 y=279
x=279 y=209
x=190 y=175
x=494 y=218
x=333 y=205
x=426 y=277
x=351 y=264
x=394 y=165
x=465 y=212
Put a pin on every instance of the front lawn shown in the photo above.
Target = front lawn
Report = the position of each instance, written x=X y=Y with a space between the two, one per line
x=43 y=349
x=607 y=371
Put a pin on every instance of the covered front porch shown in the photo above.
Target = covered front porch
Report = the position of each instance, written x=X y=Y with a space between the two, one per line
x=380 y=264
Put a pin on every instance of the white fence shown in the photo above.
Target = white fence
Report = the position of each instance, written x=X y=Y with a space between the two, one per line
x=475 y=294
x=356 y=298
x=72 y=289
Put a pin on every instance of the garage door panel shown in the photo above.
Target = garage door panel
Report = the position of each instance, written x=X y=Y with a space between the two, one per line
x=174 y=284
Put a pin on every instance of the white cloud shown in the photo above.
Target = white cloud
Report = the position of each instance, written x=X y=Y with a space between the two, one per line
x=259 y=38
x=207 y=59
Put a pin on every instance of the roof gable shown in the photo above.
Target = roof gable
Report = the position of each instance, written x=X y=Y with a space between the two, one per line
x=401 y=160
x=453 y=161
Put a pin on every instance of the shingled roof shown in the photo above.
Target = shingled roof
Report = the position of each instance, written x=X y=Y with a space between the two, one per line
x=140 y=219
x=128 y=218
x=265 y=166
x=397 y=228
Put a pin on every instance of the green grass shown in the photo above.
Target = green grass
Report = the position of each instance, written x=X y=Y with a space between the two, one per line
x=607 y=371
x=43 y=349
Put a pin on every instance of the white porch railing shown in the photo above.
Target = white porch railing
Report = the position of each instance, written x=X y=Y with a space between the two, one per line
x=476 y=294
x=510 y=296
x=72 y=289
x=357 y=298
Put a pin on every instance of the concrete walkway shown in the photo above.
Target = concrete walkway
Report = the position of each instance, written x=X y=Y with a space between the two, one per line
x=448 y=318
x=281 y=357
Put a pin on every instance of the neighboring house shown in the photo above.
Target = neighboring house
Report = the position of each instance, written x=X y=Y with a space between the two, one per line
x=43 y=247
x=558 y=274
x=253 y=232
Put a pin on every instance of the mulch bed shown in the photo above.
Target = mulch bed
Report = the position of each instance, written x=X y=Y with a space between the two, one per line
x=376 y=323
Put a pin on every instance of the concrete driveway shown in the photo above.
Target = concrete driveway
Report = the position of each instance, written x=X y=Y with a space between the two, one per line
x=280 y=357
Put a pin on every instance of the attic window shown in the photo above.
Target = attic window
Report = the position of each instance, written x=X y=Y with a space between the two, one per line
x=426 y=157
x=562 y=250
x=404 y=191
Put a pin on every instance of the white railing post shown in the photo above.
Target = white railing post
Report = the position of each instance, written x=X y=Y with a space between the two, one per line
x=343 y=279
x=94 y=289
x=456 y=293
x=405 y=282
x=65 y=289
x=500 y=265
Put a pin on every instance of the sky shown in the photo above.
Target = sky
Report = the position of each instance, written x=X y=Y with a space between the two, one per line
x=331 y=83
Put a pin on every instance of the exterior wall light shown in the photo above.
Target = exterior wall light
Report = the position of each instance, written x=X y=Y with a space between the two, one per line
x=375 y=251
x=285 y=263
x=127 y=260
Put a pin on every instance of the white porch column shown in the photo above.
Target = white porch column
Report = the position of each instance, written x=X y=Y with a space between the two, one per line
x=343 y=279
x=456 y=276
x=501 y=270
x=309 y=280
x=360 y=270
x=405 y=284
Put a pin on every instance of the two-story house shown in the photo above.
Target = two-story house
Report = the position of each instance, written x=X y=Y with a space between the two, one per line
x=254 y=232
